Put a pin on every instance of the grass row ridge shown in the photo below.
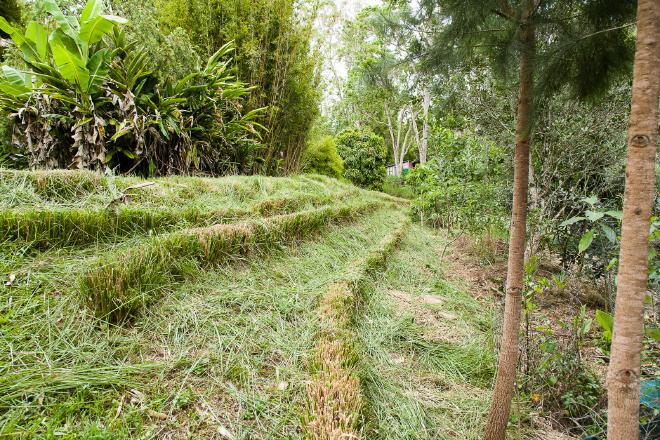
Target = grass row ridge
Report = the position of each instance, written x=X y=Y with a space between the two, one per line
x=119 y=285
x=335 y=398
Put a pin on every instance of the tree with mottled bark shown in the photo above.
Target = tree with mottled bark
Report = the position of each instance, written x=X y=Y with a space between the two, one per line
x=423 y=140
x=624 y=370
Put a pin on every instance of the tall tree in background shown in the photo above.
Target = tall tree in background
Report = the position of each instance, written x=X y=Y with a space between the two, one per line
x=423 y=141
x=624 y=369
x=273 y=54
x=548 y=44
x=382 y=91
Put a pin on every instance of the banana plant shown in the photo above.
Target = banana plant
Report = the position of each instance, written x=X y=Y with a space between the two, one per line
x=68 y=52
x=89 y=100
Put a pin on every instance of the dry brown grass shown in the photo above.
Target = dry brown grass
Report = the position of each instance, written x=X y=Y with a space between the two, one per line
x=335 y=396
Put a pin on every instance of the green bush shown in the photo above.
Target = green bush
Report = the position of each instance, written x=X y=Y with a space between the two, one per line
x=88 y=100
x=396 y=186
x=365 y=158
x=464 y=188
x=321 y=157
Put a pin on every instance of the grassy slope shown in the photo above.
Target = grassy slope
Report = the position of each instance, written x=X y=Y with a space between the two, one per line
x=228 y=351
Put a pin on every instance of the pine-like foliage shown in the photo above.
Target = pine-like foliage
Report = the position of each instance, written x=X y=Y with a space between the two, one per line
x=579 y=44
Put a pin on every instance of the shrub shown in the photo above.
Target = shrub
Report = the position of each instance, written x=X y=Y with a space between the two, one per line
x=396 y=186
x=321 y=157
x=89 y=101
x=365 y=158
x=454 y=203
x=465 y=187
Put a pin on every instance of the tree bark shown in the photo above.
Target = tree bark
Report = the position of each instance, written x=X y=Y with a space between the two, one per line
x=508 y=357
x=423 y=146
x=395 y=145
x=624 y=369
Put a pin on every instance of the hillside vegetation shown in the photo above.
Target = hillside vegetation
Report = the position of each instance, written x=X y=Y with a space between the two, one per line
x=236 y=307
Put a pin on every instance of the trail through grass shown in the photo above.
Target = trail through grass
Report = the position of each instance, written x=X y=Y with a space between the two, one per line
x=426 y=350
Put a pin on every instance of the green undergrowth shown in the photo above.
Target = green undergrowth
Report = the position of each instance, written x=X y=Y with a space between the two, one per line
x=427 y=356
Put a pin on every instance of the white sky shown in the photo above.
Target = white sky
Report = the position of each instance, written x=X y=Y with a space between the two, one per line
x=352 y=7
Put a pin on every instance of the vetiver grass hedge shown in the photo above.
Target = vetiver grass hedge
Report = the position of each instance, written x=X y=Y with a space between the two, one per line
x=119 y=285
x=47 y=227
x=335 y=398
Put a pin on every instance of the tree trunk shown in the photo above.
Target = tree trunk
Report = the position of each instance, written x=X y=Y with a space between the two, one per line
x=423 y=146
x=624 y=370
x=395 y=145
x=508 y=357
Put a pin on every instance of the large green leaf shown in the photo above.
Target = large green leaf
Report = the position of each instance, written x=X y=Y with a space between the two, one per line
x=92 y=31
x=67 y=25
x=653 y=333
x=69 y=63
x=98 y=68
x=15 y=83
x=10 y=30
x=92 y=9
x=590 y=200
x=609 y=232
x=606 y=322
x=615 y=214
x=594 y=215
x=37 y=34
x=586 y=240
x=570 y=221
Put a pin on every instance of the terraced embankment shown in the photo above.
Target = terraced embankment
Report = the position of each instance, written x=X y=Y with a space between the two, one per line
x=242 y=307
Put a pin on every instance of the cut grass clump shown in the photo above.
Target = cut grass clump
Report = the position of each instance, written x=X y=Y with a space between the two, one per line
x=119 y=286
x=84 y=189
x=77 y=226
x=280 y=205
x=58 y=185
x=335 y=398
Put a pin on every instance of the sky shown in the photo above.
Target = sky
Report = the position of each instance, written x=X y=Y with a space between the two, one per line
x=352 y=7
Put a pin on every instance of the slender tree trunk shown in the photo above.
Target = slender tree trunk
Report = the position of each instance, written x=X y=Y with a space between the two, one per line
x=624 y=370
x=423 y=146
x=508 y=357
